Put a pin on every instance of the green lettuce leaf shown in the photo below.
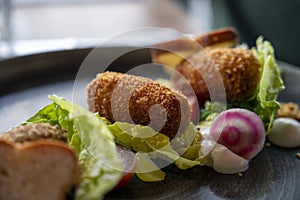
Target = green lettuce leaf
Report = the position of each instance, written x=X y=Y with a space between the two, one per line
x=146 y=169
x=89 y=135
x=270 y=85
x=183 y=151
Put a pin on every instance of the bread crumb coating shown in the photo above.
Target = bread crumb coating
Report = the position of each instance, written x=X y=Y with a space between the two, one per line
x=238 y=67
x=139 y=100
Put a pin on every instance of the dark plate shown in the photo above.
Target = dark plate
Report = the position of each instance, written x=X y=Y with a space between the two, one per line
x=26 y=81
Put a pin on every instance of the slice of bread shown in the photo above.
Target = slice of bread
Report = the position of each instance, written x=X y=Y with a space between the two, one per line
x=171 y=53
x=43 y=169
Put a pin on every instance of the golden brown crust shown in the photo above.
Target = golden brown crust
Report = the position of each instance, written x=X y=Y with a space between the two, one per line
x=224 y=35
x=290 y=110
x=238 y=67
x=171 y=53
x=128 y=98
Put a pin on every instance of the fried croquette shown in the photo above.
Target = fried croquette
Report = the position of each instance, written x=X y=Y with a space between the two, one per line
x=238 y=68
x=139 y=100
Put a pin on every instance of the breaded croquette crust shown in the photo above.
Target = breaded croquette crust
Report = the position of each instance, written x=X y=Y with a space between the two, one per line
x=238 y=67
x=139 y=100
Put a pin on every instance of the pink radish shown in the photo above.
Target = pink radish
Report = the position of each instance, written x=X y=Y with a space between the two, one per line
x=240 y=130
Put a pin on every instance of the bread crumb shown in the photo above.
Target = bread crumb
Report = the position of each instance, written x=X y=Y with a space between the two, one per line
x=267 y=144
x=290 y=110
x=240 y=174
x=298 y=154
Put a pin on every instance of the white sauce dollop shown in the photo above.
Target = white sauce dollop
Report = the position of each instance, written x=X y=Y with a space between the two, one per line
x=223 y=159
x=285 y=132
x=227 y=162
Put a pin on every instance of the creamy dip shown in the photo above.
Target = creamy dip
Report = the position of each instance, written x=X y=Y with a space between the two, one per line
x=223 y=160
x=285 y=132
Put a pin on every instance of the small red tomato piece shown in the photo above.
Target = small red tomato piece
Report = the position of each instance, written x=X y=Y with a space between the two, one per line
x=128 y=159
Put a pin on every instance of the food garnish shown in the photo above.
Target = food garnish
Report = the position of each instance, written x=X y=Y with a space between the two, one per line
x=240 y=130
x=285 y=132
x=267 y=144
x=224 y=161
x=289 y=110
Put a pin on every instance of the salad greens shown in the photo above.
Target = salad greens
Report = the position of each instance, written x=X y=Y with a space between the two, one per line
x=146 y=169
x=263 y=102
x=183 y=151
x=270 y=85
x=88 y=134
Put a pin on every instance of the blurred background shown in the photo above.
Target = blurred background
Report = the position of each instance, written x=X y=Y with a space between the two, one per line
x=30 y=26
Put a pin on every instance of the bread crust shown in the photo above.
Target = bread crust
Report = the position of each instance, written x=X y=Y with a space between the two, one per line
x=25 y=169
x=227 y=36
